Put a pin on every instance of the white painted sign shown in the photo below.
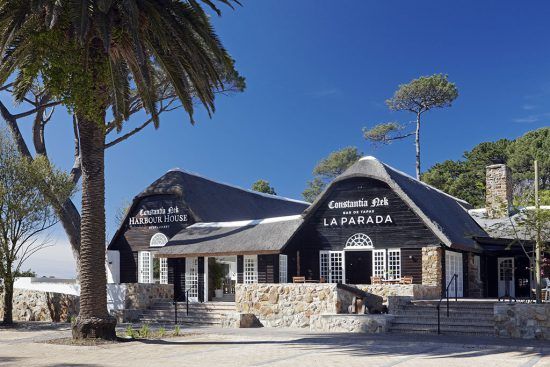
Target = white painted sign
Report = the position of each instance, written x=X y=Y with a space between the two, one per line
x=158 y=217
x=361 y=212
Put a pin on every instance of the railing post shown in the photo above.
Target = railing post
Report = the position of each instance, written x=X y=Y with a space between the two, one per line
x=456 y=287
x=187 y=302
x=438 y=320
x=175 y=310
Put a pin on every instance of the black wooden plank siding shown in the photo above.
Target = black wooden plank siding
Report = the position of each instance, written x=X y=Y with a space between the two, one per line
x=268 y=268
x=176 y=276
x=240 y=269
x=411 y=264
x=201 y=278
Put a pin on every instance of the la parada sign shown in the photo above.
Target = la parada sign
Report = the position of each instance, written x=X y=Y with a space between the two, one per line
x=158 y=217
x=357 y=212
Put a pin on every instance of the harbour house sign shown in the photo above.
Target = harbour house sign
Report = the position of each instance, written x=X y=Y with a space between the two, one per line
x=373 y=223
x=156 y=217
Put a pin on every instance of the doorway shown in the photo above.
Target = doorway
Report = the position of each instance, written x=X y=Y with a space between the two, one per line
x=222 y=277
x=358 y=267
x=453 y=265
x=506 y=279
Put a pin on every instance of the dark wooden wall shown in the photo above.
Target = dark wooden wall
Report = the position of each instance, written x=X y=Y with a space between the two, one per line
x=136 y=238
x=240 y=269
x=411 y=264
x=268 y=268
x=407 y=232
x=176 y=276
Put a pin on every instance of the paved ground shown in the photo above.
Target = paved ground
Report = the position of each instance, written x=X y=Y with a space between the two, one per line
x=271 y=347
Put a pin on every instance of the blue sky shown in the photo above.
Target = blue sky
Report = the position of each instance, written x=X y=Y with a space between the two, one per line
x=317 y=72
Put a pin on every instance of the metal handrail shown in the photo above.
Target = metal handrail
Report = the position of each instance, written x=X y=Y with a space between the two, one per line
x=186 y=305
x=455 y=279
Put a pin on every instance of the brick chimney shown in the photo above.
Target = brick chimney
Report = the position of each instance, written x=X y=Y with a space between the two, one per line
x=498 y=190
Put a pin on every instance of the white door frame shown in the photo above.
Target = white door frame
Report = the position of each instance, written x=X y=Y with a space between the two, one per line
x=250 y=277
x=454 y=265
x=501 y=277
x=145 y=267
x=328 y=273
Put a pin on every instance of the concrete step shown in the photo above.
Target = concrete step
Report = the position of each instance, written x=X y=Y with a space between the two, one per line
x=423 y=309
x=445 y=329
x=444 y=321
x=170 y=315
x=459 y=304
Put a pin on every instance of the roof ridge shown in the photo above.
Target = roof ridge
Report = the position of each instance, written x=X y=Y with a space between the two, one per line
x=244 y=223
x=283 y=198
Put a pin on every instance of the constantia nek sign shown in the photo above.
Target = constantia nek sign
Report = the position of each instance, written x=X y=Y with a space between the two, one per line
x=357 y=212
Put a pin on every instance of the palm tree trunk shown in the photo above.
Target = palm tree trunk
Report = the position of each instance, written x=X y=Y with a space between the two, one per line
x=417 y=142
x=93 y=320
x=8 y=300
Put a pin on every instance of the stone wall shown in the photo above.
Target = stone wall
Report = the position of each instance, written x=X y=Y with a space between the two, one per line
x=142 y=296
x=30 y=305
x=432 y=266
x=287 y=305
x=475 y=285
x=498 y=190
x=414 y=291
x=371 y=324
x=520 y=320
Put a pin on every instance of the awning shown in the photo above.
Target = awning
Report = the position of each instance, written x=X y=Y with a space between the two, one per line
x=265 y=236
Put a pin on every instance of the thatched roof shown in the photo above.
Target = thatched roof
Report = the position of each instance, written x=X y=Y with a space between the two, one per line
x=445 y=215
x=267 y=236
x=212 y=201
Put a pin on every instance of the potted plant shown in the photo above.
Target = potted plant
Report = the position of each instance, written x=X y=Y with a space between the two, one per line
x=217 y=271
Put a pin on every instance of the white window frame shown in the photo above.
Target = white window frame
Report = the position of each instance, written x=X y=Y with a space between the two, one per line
x=192 y=278
x=145 y=267
x=283 y=268
x=394 y=263
x=163 y=270
x=332 y=266
x=379 y=263
x=159 y=239
x=250 y=269
x=454 y=265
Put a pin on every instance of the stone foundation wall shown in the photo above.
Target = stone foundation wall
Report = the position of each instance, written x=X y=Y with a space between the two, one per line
x=371 y=324
x=414 y=291
x=29 y=305
x=142 y=296
x=287 y=305
x=520 y=320
x=432 y=266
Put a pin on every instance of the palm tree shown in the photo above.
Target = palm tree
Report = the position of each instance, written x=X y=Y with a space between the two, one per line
x=107 y=57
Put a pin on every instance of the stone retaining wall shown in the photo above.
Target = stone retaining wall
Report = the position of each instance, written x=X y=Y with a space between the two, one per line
x=287 y=305
x=520 y=320
x=30 y=305
x=415 y=291
x=141 y=296
x=432 y=266
x=371 y=324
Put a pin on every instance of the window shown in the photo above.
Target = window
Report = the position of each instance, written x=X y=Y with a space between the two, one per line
x=394 y=264
x=250 y=269
x=324 y=265
x=158 y=240
x=192 y=277
x=163 y=270
x=379 y=263
x=283 y=269
x=332 y=266
x=358 y=241
x=145 y=267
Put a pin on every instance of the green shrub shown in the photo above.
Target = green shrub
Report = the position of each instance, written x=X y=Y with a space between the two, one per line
x=177 y=330
x=144 y=332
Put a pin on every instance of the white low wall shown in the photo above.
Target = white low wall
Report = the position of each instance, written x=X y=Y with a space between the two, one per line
x=116 y=293
x=65 y=286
